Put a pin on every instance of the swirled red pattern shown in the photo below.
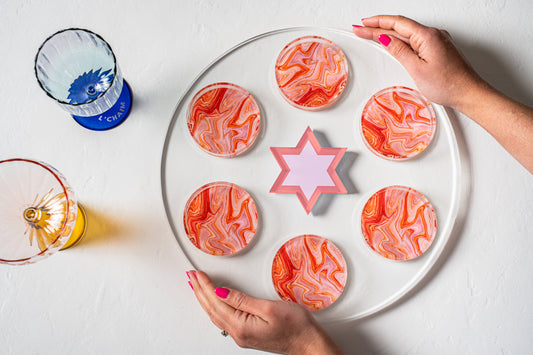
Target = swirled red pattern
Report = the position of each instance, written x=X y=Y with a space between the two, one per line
x=311 y=72
x=399 y=223
x=398 y=123
x=220 y=218
x=309 y=270
x=224 y=119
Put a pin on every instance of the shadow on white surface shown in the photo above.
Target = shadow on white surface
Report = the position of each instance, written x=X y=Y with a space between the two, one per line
x=103 y=228
x=497 y=70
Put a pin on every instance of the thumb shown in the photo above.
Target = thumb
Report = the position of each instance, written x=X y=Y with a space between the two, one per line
x=400 y=50
x=243 y=302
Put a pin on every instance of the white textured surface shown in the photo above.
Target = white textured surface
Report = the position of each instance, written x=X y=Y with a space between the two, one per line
x=124 y=291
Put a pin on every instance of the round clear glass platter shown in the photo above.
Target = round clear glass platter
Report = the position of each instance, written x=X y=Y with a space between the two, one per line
x=374 y=283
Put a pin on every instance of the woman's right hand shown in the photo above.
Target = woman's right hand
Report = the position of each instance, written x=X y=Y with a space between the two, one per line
x=442 y=75
x=428 y=54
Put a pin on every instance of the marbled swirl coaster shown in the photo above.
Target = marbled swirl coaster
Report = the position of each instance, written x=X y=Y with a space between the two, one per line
x=224 y=119
x=398 y=123
x=309 y=270
x=311 y=72
x=399 y=223
x=220 y=218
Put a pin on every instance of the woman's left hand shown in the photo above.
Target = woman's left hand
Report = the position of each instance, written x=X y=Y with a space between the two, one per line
x=275 y=326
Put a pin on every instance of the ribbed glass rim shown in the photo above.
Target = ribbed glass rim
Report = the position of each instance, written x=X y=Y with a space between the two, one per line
x=75 y=29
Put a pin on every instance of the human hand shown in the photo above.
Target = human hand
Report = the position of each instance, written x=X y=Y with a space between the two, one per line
x=275 y=326
x=442 y=74
x=439 y=70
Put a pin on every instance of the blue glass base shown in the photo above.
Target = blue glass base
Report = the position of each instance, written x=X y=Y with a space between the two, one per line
x=112 y=117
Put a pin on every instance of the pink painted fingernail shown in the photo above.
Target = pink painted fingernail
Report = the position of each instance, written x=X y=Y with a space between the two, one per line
x=222 y=292
x=190 y=284
x=188 y=275
x=384 y=40
x=357 y=26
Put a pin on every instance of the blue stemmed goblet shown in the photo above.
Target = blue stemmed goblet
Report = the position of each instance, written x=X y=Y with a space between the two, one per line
x=78 y=69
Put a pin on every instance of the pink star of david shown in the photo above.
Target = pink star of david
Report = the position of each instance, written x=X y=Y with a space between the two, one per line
x=308 y=170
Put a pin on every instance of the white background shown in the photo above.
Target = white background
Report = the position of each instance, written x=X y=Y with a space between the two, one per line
x=124 y=289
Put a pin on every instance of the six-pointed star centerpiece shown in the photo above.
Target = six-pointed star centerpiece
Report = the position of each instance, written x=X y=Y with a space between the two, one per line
x=308 y=170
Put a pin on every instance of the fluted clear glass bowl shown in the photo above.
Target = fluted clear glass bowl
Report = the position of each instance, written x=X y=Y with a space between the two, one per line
x=78 y=69
x=38 y=211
